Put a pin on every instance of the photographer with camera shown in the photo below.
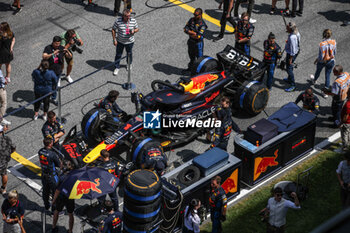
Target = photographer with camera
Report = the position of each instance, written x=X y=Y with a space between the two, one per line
x=343 y=174
x=191 y=218
x=12 y=214
x=55 y=54
x=70 y=40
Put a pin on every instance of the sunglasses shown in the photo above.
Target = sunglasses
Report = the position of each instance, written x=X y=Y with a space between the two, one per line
x=196 y=14
x=278 y=194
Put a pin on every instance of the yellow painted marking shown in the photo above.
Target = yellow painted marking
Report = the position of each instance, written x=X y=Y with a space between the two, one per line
x=205 y=16
x=25 y=162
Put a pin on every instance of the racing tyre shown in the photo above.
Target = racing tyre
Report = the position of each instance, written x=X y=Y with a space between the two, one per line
x=205 y=64
x=143 y=186
x=189 y=175
x=252 y=97
x=130 y=226
x=141 y=213
x=91 y=123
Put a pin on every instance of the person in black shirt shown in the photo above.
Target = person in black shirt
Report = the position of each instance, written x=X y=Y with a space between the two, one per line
x=49 y=162
x=114 y=222
x=243 y=33
x=53 y=129
x=60 y=201
x=226 y=16
x=272 y=52
x=195 y=28
x=111 y=167
x=55 y=53
x=222 y=134
x=310 y=101
x=109 y=104
x=12 y=213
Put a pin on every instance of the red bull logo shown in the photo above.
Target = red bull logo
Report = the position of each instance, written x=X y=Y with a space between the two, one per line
x=262 y=163
x=299 y=143
x=230 y=184
x=82 y=187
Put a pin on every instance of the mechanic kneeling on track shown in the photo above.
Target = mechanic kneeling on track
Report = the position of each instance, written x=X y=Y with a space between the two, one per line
x=218 y=204
x=114 y=222
x=153 y=158
x=112 y=167
x=310 y=101
x=109 y=104
x=49 y=162
x=222 y=134
x=53 y=129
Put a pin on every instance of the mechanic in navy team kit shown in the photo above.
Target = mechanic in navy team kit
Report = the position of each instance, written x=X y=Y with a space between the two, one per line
x=222 y=134
x=60 y=201
x=114 y=222
x=49 y=162
x=110 y=105
x=154 y=158
x=195 y=28
x=53 y=129
x=112 y=167
x=310 y=101
x=272 y=52
x=243 y=33
x=218 y=204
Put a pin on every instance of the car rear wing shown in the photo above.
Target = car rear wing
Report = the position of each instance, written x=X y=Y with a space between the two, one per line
x=236 y=62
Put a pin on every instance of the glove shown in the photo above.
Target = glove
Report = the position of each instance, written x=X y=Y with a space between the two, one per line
x=223 y=218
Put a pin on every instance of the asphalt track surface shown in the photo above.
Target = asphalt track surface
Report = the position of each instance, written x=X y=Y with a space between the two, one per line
x=160 y=52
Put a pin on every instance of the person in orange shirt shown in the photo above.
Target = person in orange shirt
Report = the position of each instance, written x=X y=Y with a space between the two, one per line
x=326 y=58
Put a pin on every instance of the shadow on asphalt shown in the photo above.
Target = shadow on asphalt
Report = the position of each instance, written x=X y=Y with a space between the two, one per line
x=95 y=9
x=336 y=16
x=99 y=64
x=167 y=69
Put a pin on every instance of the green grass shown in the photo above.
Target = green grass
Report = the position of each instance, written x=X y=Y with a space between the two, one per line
x=322 y=203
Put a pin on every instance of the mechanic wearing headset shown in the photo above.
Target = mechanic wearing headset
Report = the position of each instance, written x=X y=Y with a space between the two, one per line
x=154 y=158
x=110 y=105
x=243 y=33
x=53 y=129
x=222 y=134
x=112 y=167
x=272 y=52
x=310 y=101
x=49 y=162
x=195 y=28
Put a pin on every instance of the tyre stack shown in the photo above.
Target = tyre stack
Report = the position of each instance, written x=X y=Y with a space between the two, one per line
x=142 y=201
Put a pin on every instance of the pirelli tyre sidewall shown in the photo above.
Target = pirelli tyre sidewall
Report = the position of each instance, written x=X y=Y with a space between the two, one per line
x=131 y=226
x=91 y=123
x=141 y=213
x=191 y=171
x=205 y=64
x=143 y=186
x=252 y=97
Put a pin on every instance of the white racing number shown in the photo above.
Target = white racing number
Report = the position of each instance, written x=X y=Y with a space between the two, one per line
x=245 y=61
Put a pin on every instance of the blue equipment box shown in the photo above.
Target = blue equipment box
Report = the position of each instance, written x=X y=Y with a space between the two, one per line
x=211 y=160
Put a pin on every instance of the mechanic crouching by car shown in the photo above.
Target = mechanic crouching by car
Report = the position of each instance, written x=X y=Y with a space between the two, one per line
x=154 y=158
x=53 y=129
x=222 y=134
x=195 y=28
x=49 y=162
x=109 y=104
x=272 y=52
x=70 y=40
x=310 y=101
x=114 y=222
x=112 y=167
x=218 y=204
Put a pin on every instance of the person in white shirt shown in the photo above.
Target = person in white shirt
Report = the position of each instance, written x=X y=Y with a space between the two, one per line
x=191 y=218
x=276 y=210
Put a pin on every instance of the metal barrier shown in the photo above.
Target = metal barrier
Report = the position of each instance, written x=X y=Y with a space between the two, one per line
x=59 y=88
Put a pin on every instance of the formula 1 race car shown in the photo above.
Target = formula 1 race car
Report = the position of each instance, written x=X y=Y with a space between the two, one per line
x=233 y=75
